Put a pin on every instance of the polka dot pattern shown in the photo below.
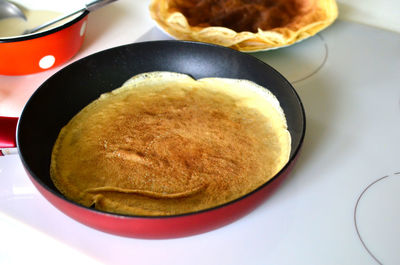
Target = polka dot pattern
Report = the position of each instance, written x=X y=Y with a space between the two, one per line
x=47 y=61
x=83 y=28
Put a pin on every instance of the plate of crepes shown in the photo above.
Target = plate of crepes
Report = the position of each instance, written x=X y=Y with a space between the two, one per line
x=161 y=139
x=244 y=25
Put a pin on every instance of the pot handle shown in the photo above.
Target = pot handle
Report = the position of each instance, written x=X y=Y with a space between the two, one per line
x=8 y=129
x=95 y=4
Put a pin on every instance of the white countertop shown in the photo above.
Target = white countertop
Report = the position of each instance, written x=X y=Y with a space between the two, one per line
x=347 y=77
x=381 y=14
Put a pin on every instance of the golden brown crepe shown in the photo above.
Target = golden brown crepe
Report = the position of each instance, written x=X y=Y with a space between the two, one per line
x=245 y=25
x=165 y=144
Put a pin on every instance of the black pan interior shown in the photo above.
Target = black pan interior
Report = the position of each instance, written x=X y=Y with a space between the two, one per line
x=59 y=98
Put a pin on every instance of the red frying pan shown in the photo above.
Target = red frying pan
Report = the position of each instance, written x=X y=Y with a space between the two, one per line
x=59 y=98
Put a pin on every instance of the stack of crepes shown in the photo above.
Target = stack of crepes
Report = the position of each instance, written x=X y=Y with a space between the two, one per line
x=166 y=144
x=244 y=25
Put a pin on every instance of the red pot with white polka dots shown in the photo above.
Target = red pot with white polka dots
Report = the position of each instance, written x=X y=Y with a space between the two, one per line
x=27 y=54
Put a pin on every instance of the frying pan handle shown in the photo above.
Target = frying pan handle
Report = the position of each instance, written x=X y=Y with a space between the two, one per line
x=8 y=128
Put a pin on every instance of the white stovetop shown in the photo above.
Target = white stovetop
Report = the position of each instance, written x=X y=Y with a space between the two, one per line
x=325 y=213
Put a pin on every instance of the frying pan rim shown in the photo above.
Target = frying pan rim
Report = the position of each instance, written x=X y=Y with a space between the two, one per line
x=55 y=192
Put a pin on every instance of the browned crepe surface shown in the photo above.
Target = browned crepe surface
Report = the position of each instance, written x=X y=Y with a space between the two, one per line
x=172 y=146
x=246 y=25
x=243 y=15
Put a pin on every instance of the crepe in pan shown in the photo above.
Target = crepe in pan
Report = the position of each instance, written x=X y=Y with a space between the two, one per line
x=165 y=144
